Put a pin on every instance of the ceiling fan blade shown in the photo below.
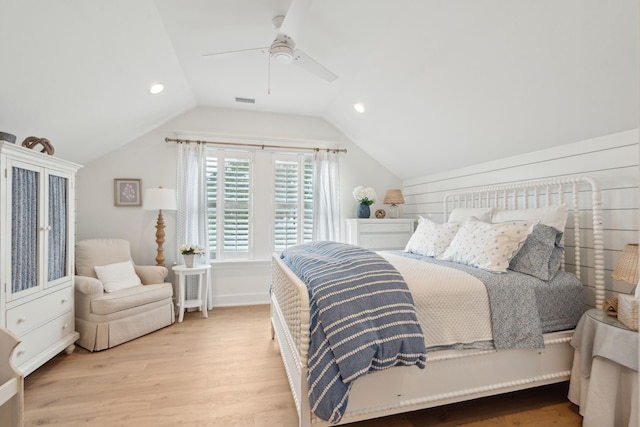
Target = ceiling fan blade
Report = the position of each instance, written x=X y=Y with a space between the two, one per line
x=294 y=18
x=313 y=66
x=208 y=55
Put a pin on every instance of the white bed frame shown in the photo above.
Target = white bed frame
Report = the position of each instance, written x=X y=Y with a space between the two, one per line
x=452 y=376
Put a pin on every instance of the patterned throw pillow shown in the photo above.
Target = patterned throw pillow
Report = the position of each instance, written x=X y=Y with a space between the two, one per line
x=487 y=246
x=430 y=238
x=541 y=254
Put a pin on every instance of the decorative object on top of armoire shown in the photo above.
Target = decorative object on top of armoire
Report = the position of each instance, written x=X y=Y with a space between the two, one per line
x=159 y=199
x=394 y=198
x=37 y=205
x=7 y=137
x=32 y=142
x=11 y=383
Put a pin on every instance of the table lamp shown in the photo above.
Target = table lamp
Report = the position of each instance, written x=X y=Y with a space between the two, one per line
x=159 y=199
x=393 y=198
x=627 y=266
x=627 y=269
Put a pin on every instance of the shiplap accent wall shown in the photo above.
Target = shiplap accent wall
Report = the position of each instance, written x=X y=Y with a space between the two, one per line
x=612 y=160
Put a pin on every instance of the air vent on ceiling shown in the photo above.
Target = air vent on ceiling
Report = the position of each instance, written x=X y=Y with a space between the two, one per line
x=246 y=100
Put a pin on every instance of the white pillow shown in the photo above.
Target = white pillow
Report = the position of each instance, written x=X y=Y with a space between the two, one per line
x=431 y=239
x=553 y=216
x=120 y=275
x=460 y=215
x=488 y=246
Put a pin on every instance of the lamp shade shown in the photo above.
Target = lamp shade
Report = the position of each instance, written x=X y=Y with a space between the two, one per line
x=627 y=266
x=159 y=199
x=393 y=197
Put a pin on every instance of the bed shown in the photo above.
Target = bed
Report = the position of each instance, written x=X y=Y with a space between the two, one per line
x=455 y=373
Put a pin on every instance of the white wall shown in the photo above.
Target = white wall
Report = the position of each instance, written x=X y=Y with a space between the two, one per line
x=154 y=162
x=612 y=160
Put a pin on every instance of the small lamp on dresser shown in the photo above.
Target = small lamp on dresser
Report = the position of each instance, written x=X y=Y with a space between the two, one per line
x=627 y=270
x=393 y=198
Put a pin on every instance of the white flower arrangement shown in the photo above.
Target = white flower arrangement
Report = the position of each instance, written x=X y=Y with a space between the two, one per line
x=366 y=195
x=189 y=249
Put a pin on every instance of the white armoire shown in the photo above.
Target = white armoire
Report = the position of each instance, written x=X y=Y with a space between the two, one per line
x=37 y=206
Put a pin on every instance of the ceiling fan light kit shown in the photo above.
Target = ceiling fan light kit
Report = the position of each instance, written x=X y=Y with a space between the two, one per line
x=282 y=50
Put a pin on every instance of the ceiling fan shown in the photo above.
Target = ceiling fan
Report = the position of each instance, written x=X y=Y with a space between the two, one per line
x=283 y=48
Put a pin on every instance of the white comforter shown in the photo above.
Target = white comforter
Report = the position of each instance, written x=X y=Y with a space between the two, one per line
x=452 y=306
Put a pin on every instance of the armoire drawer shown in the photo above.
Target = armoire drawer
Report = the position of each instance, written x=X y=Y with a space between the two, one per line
x=23 y=318
x=42 y=338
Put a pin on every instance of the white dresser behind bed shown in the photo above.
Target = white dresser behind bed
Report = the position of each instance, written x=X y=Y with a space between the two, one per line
x=379 y=234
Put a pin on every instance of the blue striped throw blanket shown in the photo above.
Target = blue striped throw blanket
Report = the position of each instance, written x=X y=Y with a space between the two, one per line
x=362 y=320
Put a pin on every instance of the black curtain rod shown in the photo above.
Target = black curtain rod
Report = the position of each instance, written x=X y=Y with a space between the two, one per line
x=261 y=146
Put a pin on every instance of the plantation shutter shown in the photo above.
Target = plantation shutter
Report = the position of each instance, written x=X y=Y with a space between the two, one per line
x=212 y=204
x=286 y=192
x=293 y=201
x=237 y=186
x=308 y=199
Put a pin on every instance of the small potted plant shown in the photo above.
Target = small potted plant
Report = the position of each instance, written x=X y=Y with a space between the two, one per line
x=365 y=196
x=189 y=253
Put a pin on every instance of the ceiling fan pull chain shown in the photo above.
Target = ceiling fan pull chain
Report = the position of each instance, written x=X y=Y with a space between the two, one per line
x=269 y=74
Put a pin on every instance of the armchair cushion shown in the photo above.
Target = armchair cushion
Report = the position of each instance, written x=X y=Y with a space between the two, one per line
x=92 y=252
x=136 y=296
x=120 y=275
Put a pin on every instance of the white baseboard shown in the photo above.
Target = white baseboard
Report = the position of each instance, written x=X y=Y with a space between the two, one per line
x=240 y=299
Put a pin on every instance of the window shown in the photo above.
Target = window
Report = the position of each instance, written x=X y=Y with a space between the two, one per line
x=257 y=202
x=229 y=199
x=293 y=201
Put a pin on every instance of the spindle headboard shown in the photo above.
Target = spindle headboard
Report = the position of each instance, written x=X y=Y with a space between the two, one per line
x=580 y=194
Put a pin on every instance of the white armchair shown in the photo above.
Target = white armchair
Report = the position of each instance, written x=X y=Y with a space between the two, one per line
x=106 y=318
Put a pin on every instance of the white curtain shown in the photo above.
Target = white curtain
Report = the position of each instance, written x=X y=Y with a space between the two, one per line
x=326 y=196
x=192 y=206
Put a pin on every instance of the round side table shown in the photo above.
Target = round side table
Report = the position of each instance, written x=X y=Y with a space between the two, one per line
x=202 y=274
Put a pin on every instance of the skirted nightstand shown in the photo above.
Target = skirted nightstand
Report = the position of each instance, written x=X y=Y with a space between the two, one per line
x=604 y=377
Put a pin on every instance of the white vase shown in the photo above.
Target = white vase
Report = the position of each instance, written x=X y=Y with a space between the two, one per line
x=189 y=260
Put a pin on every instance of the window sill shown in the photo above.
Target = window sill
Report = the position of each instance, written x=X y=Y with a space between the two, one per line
x=242 y=263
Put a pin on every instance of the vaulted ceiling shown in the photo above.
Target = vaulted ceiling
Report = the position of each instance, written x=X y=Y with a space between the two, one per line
x=445 y=83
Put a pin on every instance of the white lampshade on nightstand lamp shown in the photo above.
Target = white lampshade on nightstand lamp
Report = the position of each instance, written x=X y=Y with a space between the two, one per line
x=393 y=198
x=160 y=199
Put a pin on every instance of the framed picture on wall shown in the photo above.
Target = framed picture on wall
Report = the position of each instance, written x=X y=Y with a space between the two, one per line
x=127 y=192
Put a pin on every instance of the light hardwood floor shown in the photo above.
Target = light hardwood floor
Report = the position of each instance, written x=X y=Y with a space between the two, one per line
x=226 y=371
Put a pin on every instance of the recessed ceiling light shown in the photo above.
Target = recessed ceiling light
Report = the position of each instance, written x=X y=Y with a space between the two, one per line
x=156 y=88
x=359 y=108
